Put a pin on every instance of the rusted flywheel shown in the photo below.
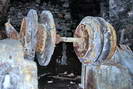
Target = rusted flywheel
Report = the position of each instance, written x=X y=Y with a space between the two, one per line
x=99 y=40
x=47 y=35
x=36 y=36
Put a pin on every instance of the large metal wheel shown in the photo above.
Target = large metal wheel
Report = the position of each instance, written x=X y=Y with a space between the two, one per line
x=99 y=40
x=45 y=54
x=28 y=34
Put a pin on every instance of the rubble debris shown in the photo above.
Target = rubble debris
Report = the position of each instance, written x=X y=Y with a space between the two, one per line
x=50 y=81
x=71 y=82
x=70 y=75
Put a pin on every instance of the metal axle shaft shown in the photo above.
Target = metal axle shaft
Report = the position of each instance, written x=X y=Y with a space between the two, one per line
x=70 y=39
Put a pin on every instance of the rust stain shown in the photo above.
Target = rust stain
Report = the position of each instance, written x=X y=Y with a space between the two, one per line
x=82 y=47
x=41 y=39
x=23 y=28
x=11 y=32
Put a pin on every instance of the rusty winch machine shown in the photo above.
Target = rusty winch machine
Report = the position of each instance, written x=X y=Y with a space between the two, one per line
x=94 y=41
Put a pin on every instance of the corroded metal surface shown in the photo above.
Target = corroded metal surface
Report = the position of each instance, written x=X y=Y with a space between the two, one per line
x=106 y=77
x=46 y=18
x=29 y=38
x=15 y=71
x=23 y=30
x=124 y=56
x=11 y=31
x=81 y=47
x=41 y=38
x=27 y=35
x=115 y=73
x=109 y=43
x=99 y=40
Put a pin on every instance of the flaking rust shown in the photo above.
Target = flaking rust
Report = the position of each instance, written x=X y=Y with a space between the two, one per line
x=99 y=40
x=90 y=49
x=81 y=47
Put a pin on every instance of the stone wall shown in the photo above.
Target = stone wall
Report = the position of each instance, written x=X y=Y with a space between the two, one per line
x=120 y=14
